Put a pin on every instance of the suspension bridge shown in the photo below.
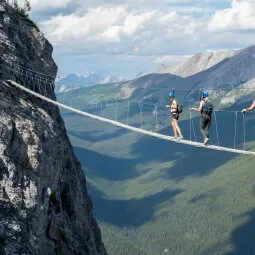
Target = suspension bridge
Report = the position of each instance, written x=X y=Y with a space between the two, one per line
x=41 y=85
x=122 y=125
x=32 y=84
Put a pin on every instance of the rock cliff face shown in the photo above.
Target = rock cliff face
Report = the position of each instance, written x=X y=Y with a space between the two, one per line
x=44 y=205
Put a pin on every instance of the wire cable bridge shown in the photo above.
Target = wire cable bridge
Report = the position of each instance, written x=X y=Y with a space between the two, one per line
x=126 y=126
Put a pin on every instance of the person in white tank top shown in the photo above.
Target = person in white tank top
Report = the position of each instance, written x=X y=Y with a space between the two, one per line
x=175 y=116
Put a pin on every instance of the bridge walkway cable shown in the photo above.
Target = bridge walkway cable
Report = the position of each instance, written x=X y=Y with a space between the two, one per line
x=125 y=126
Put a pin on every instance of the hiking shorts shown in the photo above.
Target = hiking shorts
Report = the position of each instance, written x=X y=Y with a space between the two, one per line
x=175 y=116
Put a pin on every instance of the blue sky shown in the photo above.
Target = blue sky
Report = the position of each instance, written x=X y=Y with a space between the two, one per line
x=132 y=36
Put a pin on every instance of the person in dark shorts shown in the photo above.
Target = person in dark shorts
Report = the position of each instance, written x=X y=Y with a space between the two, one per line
x=249 y=108
x=206 y=109
x=175 y=116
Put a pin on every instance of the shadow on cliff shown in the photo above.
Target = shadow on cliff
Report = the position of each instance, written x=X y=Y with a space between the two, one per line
x=243 y=237
x=131 y=212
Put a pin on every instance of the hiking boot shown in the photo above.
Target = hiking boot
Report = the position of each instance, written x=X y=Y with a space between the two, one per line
x=206 y=141
x=180 y=137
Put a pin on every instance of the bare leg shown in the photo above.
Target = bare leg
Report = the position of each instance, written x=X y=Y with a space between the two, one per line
x=174 y=129
x=178 y=130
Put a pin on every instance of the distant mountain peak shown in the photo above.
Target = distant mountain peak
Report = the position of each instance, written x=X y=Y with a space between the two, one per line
x=198 y=63
x=211 y=69
x=85 y=79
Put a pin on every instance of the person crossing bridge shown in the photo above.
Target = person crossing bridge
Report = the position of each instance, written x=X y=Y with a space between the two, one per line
x=175 y=110
x=206 y=109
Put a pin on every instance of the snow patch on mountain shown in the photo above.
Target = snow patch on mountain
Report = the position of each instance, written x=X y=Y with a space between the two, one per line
x=85 y=79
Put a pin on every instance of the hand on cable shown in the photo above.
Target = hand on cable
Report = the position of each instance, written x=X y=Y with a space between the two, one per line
x=244 y=111
x=192 y=109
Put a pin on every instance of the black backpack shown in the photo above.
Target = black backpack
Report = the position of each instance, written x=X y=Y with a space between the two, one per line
x=207 y=108
x=179 y=107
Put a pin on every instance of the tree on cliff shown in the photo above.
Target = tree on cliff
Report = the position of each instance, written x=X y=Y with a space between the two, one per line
x=26 y=9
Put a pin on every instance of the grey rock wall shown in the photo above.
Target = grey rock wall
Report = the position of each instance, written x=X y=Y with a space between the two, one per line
x=44 y=205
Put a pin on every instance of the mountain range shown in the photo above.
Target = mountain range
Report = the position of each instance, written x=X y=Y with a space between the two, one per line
x=86 y=79
x=154 y=197
x=197 y=63
x=218 y=72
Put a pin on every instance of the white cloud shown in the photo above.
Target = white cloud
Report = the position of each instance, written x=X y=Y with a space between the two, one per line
x=143 y=31
x=84 y=28
x=241 y=16
x=127 y=28
x=121 y=29
x=46 y=5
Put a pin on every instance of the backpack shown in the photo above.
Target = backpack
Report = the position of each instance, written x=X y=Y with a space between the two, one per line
x=207 y=108
x=179 y=107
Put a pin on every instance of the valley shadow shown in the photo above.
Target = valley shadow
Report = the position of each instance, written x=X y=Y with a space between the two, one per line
x=211 y=195
x=118 y=169
x=190 y=161
x=128 y=213
x=94 y=136
x=103 y=166
x=243 y=237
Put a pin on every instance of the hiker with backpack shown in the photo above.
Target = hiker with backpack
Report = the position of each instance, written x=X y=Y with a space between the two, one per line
x=249 y=108
x=206 y=109
x=175 y=110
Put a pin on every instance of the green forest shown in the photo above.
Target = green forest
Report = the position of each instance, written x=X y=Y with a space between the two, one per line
x=155 y=197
